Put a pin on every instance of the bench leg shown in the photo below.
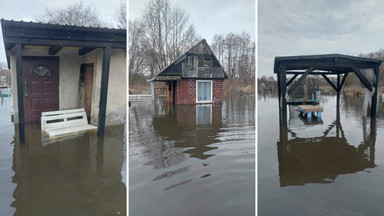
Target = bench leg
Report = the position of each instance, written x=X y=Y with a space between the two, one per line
x=309 y=116
x=318 y=116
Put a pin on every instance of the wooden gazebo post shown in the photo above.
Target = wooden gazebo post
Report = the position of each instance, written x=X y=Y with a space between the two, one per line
x=374 y=96
x=283 y=104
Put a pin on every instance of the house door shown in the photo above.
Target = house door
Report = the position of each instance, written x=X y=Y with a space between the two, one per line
x=40 y=85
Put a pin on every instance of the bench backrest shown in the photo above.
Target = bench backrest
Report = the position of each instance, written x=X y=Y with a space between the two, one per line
x=63 y=119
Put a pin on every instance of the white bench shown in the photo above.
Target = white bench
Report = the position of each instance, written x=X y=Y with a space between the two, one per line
x=56 y=123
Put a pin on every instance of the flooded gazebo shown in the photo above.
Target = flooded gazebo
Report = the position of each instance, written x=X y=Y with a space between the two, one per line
x=366 y=69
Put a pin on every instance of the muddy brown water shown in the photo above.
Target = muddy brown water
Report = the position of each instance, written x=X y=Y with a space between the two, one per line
x=81 y=175
x=334 y=166
x=192 y=160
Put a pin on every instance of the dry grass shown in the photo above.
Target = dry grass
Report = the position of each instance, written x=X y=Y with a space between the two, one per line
x=236 y=86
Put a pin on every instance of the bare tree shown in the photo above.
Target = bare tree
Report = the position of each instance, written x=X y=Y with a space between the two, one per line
x=236 y=53
x=135 y=60
x=167 y=34
x=122 y=15
x=73 y=14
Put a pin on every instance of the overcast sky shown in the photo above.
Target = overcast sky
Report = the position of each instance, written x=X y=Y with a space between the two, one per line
x=27 y=9
x=211 y=16
x=300 y=27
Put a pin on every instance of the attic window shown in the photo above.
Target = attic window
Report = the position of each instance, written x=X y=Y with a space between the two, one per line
x=207 y=62
x=41 y=71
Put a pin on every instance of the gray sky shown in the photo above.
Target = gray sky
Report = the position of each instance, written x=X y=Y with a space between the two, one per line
x=27 y=9
x=211 y=16
x=300 y=27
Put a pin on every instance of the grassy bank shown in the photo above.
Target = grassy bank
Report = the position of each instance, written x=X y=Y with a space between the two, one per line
x=236 y=86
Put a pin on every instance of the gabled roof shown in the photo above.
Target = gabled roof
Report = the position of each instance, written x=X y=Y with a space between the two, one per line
x=182 y=57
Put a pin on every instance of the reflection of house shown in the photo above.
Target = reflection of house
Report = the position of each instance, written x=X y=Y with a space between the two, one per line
x=195 y=77
x=198 y=115
x=188 y=127
x=321 y=159
x=80 y=176
x=63 y=67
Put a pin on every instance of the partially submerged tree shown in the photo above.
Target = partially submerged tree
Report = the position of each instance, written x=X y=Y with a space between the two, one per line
x=73 y=14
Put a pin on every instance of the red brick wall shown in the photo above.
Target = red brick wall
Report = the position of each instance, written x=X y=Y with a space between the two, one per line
x=217 y=91
x=186 y=91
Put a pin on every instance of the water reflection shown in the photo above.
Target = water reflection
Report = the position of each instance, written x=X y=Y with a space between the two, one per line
x=77 y=176
x=322 y=158
x=180 y=153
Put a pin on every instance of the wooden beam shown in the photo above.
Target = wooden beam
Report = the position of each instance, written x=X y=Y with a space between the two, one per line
x=53 y=50
x=298 y=82
x=330 y=82
x=86 y=50
x=291 y=80
x=324 y=65
x=362 y=78
x=64 y=33
x=69 y=43
x=342 y=81
x=104 y=90
x=20 y=92
x=9 y=46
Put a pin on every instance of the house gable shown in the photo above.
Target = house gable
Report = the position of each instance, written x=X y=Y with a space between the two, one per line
x=197 y=63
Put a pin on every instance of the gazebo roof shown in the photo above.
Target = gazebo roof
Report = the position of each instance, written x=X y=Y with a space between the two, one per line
x=333 y=63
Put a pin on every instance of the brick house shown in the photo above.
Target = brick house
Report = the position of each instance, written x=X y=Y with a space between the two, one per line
x=194 y=78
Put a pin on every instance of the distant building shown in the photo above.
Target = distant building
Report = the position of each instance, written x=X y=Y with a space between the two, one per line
x=5 y=78
x=194 y=78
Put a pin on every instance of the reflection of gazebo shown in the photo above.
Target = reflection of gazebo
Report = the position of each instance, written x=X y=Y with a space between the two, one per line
x=321 y=159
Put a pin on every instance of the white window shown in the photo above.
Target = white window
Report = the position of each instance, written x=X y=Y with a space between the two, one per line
x=204 y=91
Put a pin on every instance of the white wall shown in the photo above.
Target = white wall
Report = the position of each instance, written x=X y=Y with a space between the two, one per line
x=69 y=70
x=117 y=87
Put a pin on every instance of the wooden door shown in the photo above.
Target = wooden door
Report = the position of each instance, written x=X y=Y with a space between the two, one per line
x=86 y=87
x=40 y=85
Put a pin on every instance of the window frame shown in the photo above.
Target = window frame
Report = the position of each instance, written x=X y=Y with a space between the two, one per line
x=35 y=74
x=197 y=91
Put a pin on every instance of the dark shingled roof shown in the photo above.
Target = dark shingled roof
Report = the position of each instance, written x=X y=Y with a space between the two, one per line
x=331 y=62
x=58 y=36
x=178 y=60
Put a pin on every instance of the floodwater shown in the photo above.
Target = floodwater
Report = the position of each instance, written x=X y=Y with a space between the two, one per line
x=192 y=160
x=77 y=175
x=334 y=166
